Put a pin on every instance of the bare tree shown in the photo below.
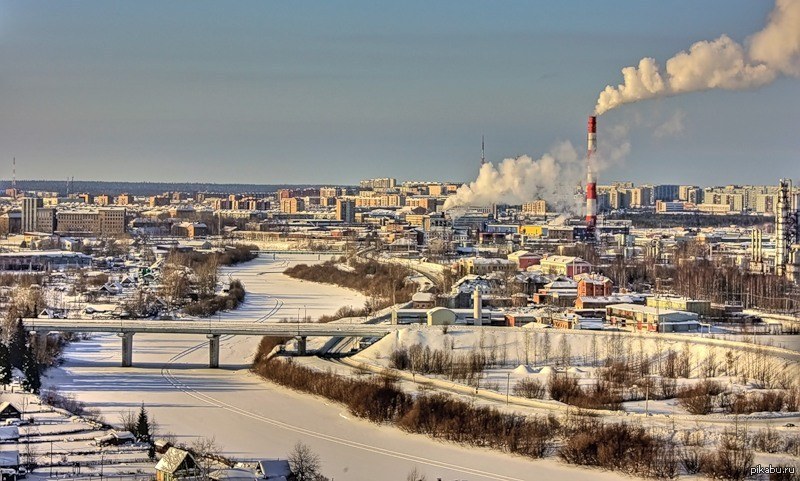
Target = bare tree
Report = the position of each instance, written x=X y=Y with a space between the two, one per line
x=207 y=276
x=175 y=285
x=127 y=419
x=415 y=475
x=206 y=452
x=305 y=463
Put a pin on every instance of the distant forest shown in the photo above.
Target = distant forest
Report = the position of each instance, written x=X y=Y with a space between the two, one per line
x=147 y=188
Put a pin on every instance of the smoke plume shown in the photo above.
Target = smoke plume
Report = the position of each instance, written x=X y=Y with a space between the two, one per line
x=716 y=64
x=552 y=178
x=523 y=179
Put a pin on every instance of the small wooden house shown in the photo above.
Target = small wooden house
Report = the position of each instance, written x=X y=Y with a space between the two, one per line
x=9 y=411
x=176 y=464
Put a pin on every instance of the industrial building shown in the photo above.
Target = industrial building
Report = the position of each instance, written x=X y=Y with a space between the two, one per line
x=42 y=260
x=698 y=306
x=645 y=318
x=565 y=265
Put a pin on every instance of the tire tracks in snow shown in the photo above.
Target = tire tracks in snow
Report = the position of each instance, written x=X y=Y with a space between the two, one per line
x=205 y=398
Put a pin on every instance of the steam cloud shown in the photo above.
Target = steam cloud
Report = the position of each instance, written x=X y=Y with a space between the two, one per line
x=716 y=64
x=552 y=178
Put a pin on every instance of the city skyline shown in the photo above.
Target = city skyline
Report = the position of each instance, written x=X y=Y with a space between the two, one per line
x=329 y=95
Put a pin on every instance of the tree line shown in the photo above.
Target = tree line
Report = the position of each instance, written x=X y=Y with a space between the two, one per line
x=383 y=284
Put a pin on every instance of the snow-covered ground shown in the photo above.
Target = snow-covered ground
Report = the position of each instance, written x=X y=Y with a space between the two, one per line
x=250 y=418
x=53 y=440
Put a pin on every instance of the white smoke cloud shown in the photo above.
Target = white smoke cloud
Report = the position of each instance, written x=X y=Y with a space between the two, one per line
x=716 y=64
x=523 y=179
x=552 y=178
x=778 y=44
x=671 y=127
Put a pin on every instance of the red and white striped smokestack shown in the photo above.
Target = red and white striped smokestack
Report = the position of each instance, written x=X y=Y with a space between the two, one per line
x=591 y=182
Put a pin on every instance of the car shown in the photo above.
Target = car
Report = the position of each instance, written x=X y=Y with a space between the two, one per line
x=8 y=474
x=788 y=425
x=22 y=472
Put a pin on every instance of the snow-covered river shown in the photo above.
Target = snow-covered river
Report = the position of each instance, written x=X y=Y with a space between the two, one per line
x=250 y=418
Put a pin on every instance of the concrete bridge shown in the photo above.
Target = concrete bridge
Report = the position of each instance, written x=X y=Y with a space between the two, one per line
x=126 y=329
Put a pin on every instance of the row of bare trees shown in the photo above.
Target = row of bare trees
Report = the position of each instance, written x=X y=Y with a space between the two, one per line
x=575 y=438
x=695 y=273
x=383 y=284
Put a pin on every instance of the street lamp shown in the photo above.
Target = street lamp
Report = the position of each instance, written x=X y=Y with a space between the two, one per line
x=508 y=386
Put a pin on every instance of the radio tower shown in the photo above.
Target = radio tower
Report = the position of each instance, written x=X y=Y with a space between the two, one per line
x=14 y=174
x=591 y=182
x=483 y=152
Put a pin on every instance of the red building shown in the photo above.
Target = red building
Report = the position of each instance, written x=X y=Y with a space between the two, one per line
x=594 y=285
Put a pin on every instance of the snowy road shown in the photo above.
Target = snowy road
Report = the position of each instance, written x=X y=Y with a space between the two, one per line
x=250 y=418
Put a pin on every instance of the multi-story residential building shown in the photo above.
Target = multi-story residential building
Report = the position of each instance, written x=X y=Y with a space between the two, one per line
x=640 y=196
x=346 y=210
x=537 y=208
x=159 y=200
x=29 y=207
x=46 y=220
x=618 y=199
x=426 y=202
x=666 y=192
x=328 y=192
x=383 y=183
x=124 y=199
x=112 y=221
x=292 y=205
x=78 y=221
x=107 y=221
x=669 y=206
x=689 y=193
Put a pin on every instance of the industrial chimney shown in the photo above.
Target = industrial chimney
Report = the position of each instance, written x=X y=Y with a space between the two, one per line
x=477 y=307
x=591 y=182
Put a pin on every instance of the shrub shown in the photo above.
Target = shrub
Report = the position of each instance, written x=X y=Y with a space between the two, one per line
x=770 y=401
x=386 y=283
x=727 y=463
x=667 y=388
x=563 y=388
x=621 y=447
x=211 y=305
x=690 y=460
x=767 y=441
x=698 y=399
x=530 y=388
x=380 y=400
x=399 y=359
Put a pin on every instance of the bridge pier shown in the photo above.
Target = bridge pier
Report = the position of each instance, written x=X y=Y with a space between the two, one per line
x=301 y=345
x=213 y=350
x=127 y=348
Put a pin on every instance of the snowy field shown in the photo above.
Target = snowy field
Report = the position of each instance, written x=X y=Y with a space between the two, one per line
x=253 y=419
x=518 y=354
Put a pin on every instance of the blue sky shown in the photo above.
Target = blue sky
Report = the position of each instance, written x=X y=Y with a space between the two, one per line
x=331 y=92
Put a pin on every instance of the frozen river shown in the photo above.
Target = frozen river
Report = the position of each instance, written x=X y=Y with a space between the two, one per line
x=250 y=418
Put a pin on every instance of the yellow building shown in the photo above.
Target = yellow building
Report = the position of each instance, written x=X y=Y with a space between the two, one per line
x=533 y=230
